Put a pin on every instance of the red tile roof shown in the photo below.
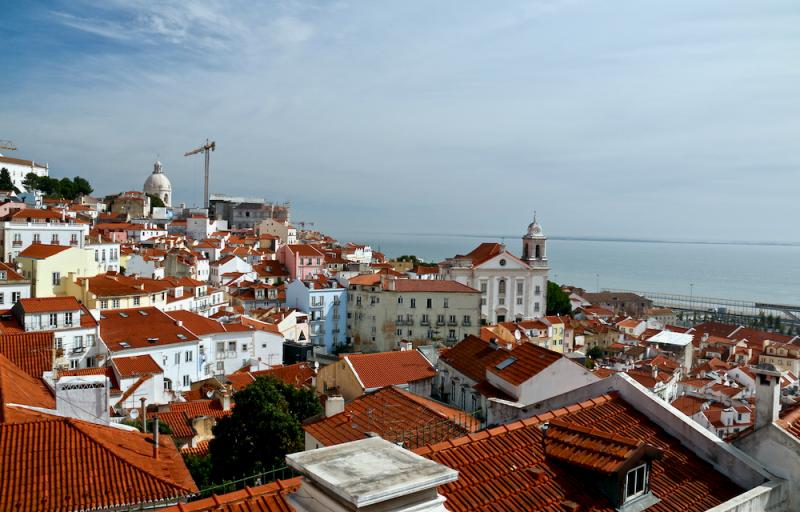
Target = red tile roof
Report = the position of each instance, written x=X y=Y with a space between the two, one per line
x=264 y=498
x=199 y=450
x=527 y=360
x=429 y=285
x=68 y=464
x=135 y=366
x=11 y=273
x=472 y=355
x=396 y=417
x=42 y=251
x=49 y=304
x=32 y=352
x=504 y=468
x=484 y=252
x=17 y=387
x=121 y=329
x=390 y=368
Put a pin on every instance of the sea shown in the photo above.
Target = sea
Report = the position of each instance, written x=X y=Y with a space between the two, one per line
x=759 y=272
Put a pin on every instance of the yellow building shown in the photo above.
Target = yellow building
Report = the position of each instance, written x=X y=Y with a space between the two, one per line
x=50 y=267
x=115 y=291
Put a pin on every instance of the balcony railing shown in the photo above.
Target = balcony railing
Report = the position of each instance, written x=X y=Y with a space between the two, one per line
x=439 y=323
x=16 y=243
x=425 y=322
x=452 y=323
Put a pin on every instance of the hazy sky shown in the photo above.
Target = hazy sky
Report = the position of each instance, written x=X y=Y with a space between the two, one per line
x=630 y=118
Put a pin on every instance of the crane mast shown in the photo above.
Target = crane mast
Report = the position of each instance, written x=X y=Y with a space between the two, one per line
x=206 y=150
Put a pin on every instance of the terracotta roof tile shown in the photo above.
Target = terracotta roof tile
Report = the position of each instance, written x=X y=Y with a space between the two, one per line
x=134 y=366
x=32 y=352
x=390 y=368
x=264 y=498
x=394 y=415
x=507 y=470
x=42 y=251
x=472 y=355
x=526 y=361
x=122 y=329
x=70 y=464
x=17 y=387
x=49 y=304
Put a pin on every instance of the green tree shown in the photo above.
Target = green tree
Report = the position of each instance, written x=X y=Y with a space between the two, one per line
x=5 y=181
x=82 y=186
x=263 y=427
x=31 y=181
x=199 y=467
x=594 y=353
x=155 y=202
x=557 y=300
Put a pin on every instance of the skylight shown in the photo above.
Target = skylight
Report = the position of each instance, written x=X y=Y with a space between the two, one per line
x=124 y=315
x=143 y=313
x=124 y=344
x=505 y=363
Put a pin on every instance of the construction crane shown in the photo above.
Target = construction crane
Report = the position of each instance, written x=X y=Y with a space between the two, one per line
x=303 y=224
x=7 y=144
x=206 y=149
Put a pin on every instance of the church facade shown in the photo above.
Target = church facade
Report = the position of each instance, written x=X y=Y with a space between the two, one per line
x=512 y=287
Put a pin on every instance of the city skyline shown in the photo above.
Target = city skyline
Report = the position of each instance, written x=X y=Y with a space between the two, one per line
x=633 y=122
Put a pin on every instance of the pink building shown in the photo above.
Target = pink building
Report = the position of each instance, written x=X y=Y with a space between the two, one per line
x=302 y=261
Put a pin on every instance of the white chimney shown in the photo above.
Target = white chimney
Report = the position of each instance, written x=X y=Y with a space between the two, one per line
x=334 y=405
x=768 y=394
x=368 y=475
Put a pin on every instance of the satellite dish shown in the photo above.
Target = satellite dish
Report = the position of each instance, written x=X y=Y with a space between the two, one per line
x=517 y=334
x=134 y=414
x=210 y=393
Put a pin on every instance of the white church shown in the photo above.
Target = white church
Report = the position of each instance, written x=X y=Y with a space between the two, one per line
x=512 y=288
x=159 y=185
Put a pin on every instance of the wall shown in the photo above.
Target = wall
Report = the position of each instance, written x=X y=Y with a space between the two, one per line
x=339 y=374
x=779 y=451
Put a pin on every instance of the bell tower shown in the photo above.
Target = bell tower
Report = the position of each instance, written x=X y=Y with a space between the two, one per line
x=534 y=244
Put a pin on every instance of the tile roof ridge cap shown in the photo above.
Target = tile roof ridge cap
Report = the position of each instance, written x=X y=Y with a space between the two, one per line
x=597 y=433
x=76 y=425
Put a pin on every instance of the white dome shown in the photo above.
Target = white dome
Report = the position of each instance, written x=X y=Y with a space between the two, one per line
x=159 y=185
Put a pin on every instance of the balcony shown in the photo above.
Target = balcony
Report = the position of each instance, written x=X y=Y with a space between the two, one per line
x=16 y=243
x=426 y=323
x=440 y=323
x=452 y=322
x=73 y=242
x=466 y=324
x=78 y=350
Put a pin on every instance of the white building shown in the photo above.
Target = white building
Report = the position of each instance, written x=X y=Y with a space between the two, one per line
x=511 y=288
x=13 y=286
x=19 y=168
x=74 y=328
x=200 y=227
x=158 y=184
x=29 y=226
x=106 y=254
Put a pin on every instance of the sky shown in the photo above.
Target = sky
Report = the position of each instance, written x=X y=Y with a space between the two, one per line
x=669 y=120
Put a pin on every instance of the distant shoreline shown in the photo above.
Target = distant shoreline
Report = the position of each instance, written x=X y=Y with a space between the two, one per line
x=590 y=239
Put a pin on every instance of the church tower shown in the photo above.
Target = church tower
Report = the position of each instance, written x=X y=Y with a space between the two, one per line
x=534 y=245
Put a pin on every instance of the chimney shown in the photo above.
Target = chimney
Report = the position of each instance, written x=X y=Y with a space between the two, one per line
x=144 y=415
x=370 y=474
x=768 y=394
x=155 y=437
x=179 y=323
x=655 y=371
x=334 y=405
x=226 y=400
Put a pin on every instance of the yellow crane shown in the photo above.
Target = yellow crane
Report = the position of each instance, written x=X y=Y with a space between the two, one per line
x=205 y=149
x=7 y=144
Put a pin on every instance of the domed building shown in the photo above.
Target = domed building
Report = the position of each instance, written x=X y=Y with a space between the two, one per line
x=159 y=185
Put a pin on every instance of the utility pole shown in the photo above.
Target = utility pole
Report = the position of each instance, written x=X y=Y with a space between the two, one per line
x=205 y=149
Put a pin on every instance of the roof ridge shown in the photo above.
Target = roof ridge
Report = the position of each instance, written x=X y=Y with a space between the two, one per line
x=75 y=425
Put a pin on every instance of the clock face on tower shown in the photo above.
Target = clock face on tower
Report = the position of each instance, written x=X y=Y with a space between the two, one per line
x=502 y=263
x=536 y=230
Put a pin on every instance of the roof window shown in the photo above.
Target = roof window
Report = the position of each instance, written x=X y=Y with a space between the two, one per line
x=506 y=363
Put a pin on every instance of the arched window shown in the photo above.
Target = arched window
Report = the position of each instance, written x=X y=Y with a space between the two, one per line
x=166 y=198
x=501 y=287
x=538 y=251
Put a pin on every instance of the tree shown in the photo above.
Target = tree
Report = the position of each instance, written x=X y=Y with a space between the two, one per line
x=31 y=181
x=155 y=201
x=558 y=302
x=594 y=353
x=5 y=181
x=199 y=467
x=263 y=427
x=82 y=186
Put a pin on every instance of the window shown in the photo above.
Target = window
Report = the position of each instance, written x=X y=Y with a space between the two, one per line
x=220 y=366
x=167 y=385
x=53 y=319
x=2 y=298
x=452 y=319
x=451 y=334
x=186 y=380
x=177 y=358
x=188 y=356
x=446 y=303
x=536 y=306
x=56 y=278
x=519 y=301
x=501 y=287
x=103 y=304
x=520 y=287
x=36 y=238
x=68 y=318
x=636 y=482
x=429 y=303
x=90 y=340
x=538 y=290
x=413 y=303
x=137 y=301
x=74 y=364
x=115 y=303
x=244 y=347
x=15 y=296
x=232 y=346
x=78 y=342
x=467 y=320
x=399 y=332
x=483 y=301
x=73 y=239
x=400 y=299
x=59 y=343
x=483 y=286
